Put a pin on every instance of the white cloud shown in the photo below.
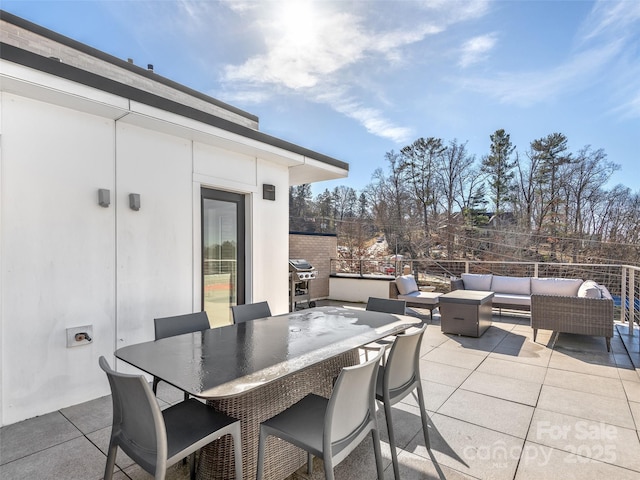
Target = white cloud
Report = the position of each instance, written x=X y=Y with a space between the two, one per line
x=312 y=46
x=529 y=88
x=477 y=49
x=611 y=18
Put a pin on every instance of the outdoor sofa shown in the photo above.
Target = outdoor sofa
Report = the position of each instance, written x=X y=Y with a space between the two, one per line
x=559 y=304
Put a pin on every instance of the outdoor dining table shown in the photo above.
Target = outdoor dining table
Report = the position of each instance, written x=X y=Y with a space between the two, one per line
x=254 y=370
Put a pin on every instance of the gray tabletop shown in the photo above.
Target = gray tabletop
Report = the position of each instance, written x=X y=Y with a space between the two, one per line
x=227 y=361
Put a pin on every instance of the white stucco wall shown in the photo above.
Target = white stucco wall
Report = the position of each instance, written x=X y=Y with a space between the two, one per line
x=58 y=254
x=66 y=261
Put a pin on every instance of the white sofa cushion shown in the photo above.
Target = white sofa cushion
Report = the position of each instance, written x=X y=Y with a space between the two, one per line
x=589 y=289
x=511 y=299
x=563 y=287
x=406 y=284
x=517 y=285
x=427 y=298
x=477 y=281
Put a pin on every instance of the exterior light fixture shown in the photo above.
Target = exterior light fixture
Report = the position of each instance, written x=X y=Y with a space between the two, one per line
x=268 y=191
x=134 y=201
x=104 y=197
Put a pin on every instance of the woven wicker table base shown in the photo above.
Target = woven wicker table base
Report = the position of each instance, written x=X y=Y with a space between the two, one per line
x=252 y=408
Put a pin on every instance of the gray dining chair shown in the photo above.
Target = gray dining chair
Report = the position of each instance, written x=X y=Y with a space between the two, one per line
x=399 y=377
x=177 y=325
x=330 y=428
x=250 y=311
x=384 y=305
x=156 y=439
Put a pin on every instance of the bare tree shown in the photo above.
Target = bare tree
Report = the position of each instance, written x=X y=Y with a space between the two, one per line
x=452 y=169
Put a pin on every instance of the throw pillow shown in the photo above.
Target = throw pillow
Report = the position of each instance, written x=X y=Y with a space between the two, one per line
x=477 y=281
x=406 y=284
x=589 y=289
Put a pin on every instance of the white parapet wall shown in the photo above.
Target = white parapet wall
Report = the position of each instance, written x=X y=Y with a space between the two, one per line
x=357 y=289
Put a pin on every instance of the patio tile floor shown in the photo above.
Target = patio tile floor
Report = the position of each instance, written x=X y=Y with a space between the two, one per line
x=500 y=407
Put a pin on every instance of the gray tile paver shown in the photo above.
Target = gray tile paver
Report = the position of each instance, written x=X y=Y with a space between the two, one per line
x=506 y=388
x=495 y=413
x=454 y=357
x=34 y=435
x=546 y=463
x=506 y=368
x=444 y=374
x=582 y=382
x=587 y=438
x=76 y=459
x=471 y=449
x=586 y=405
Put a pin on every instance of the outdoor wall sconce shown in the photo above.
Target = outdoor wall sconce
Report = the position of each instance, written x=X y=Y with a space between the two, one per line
x=134 y=201
x=268 y=191
x=104 y=197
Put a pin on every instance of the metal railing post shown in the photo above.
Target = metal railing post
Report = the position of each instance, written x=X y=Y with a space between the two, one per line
x=623 y=296
x=632 y=300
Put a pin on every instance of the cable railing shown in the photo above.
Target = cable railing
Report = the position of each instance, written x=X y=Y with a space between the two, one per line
x=622 y=281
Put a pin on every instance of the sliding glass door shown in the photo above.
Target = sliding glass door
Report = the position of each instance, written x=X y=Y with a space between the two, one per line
x=223 y=244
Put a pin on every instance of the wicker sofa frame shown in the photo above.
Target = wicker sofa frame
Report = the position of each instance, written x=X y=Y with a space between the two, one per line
x=585 y=316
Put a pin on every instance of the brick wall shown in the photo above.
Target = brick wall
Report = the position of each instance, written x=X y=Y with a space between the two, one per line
x=317 y=250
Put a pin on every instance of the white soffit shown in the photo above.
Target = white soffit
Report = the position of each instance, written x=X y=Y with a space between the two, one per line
x=26 y=82
x=314 y=171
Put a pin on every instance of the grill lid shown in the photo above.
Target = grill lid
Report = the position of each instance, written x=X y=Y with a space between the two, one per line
x=300 y=264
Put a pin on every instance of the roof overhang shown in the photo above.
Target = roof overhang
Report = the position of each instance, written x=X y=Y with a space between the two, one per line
x=29 y=74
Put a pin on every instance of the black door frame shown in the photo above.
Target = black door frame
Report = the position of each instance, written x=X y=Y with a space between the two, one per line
x=239 y=199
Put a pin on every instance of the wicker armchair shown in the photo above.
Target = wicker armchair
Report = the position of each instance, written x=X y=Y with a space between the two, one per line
x=586 y=316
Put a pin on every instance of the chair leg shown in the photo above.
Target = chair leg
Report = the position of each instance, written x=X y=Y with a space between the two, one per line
x=423 y=416
x=392 y=440
x=237 y=450
x=192 y=466
x=156 y=380
x=535 y=334
x=378 y=453
x=261 y=441
x=309 y=463
x=328 y=467
x=111 y=461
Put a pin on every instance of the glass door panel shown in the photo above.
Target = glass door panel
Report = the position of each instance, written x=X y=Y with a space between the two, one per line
x=222 y=254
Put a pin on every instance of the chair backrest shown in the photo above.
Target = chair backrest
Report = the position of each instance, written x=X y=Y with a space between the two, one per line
x=250 y=311
x=138 y=425
x=402 y=366
x=386 y=305
x=352 y=402
x=179 y=324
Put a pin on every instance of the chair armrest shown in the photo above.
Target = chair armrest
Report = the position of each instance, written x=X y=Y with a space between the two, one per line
x=393 y=289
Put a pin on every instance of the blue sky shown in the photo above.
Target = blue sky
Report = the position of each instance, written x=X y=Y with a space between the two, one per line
x=357 y=79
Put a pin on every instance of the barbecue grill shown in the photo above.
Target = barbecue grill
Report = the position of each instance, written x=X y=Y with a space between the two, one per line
x=301 y=272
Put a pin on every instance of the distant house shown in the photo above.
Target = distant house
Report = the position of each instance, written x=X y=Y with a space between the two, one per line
x=125 y=196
